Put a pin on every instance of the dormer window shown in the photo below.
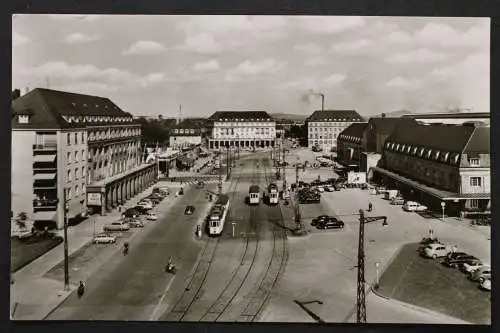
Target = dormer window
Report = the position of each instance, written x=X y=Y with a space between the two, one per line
x=23 y=118
x=85 y=104
x=429 y=152
x=474 y=161
x=445 y=157
x=421 y=152
x=455 y=158
x=436 y=155
x=176 y=130
x=414 y=151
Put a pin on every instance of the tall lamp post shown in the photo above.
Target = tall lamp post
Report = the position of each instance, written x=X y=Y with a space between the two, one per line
x=443 y=205
x=66 y=258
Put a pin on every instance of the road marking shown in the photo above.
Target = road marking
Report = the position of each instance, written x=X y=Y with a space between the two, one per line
x=162 y=298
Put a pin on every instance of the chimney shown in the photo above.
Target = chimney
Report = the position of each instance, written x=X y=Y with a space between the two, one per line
x=322 y=102
x=180 y=115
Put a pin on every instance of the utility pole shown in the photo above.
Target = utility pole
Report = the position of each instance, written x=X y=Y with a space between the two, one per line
x=228 y=161
x=361 y=299
x=66 y=258
x=284 y=168
x=219 y=185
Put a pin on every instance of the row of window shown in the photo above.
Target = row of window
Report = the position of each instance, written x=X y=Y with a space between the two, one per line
x=245 y=124
x=340 y=122
x=326 y=136
x=327 y=129
x=244 y=120
x=325 y=142
x=96 y=152
x=78 y=190
x=229 y=131
x=76 y=155
x=76 y=174
x=184 y=130
x=113 y=133
x=428 y=153
x=97 y=119
x=72 y=138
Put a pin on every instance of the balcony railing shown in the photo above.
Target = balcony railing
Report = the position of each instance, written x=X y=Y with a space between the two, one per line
x=45 y=146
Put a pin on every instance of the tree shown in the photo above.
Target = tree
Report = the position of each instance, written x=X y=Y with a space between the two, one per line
x=21 y=220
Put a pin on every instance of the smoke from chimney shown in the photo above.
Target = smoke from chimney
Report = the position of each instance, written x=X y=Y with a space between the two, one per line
x=306 y=98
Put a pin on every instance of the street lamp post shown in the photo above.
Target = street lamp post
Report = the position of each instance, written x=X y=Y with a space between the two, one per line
x=233 y=224
x=66 y=258
x=377 y=265
x=443 y=205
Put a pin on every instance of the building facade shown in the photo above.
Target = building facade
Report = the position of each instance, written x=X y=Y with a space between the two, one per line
x=351 y=144
x=247 y=129
x=75 y=149
x=185 y=134
x=324 y=127
x=437 y=163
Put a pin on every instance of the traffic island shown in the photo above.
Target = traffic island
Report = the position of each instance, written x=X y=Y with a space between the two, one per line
x=427 y=284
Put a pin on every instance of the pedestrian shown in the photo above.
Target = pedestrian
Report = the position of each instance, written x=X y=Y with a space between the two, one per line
x=370 y=207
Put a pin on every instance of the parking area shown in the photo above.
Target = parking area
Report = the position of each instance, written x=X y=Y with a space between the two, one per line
x=428 y=284
x=321 y=266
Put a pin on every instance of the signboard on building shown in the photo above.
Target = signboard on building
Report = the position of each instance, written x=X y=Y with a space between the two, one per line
x=356 y=177
x=94 y=199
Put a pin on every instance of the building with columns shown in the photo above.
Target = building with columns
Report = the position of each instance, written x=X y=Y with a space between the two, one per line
x=76 y=148
x=324 y=127
x=246 y=129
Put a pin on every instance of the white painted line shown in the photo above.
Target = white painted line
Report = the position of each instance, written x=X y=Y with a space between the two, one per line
x=162 y=298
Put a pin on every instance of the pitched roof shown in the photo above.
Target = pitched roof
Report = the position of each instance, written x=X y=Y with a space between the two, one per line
x=354 y=130
x=187 y=123
x=49 y=106
x=235 y=115
x=448 y=115
x=334 y=115
x=385 y=125
x=479 y=141
x=452 y=138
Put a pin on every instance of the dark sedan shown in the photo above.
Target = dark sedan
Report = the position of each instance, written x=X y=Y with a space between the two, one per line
x=331 y=223
x=460 y=260
x=189 y=210
x=319 y=219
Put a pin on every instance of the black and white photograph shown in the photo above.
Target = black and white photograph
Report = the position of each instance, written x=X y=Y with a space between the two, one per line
x=250 y=169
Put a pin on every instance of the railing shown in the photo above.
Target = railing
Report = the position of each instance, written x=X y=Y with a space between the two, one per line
x=45 y=146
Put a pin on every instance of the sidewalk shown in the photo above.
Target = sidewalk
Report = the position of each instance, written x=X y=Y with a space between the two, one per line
x=32 y=296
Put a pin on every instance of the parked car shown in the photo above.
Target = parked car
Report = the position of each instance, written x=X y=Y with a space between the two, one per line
x=485 y=276
x=136 y=224
x=319 y=219
x=449 y=262
x=189 y=210
x=426 y=241
x=329 y=188
x=397 y=201
x=151 y=217
x=155 y=201
x=413 y=206
x=145 y=204
x=116 y=226
x=485 y=284
x=478 y=273
x=467 y=268
x=141 y=209
x=131 y=212
x=320 y=189
x=23 y=234
x=331 y=223
x=104 y=239
x=436 y=251
x=456 y=255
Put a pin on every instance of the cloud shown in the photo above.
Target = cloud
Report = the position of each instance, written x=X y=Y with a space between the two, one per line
x=248 y=69
x=204 y=43
x=69 y=17
x=398 y=37
x=145 y=47
x=334 y=78
x=329 y=24
x=226 y=23
x=444 y=35
x=399 y=82
x=350 y=46
x=205 y=67
x=419 y=55
x=18 y=39
x=153 y=78
x=473 y=66
x=316 y=61
x=309 y=48
x=79 y=38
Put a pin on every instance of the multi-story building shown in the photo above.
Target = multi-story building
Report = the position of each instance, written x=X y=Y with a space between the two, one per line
x=242 y=129
x=323 y=127
x=73 y=149
x=184 y=134
x=350 y=145
x=435 y=163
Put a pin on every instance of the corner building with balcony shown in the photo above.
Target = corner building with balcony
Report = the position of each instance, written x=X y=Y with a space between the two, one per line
x=245 y=129
x=79 y=148
x=438 y=163
x=324 y=127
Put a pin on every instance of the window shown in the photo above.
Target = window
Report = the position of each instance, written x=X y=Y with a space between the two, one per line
x=474 y=203
x=69 y=157
x=83 y=137
x=23 y=119
x=77 y=190
x=69 y=176
x=68 y=139
x=83 y=172
x=68 y=193
x=83 y=154
x=475 y=181
x=414 y=151
x=76 y=156
x=474 y=161
x=76 y=138
x=76 y=173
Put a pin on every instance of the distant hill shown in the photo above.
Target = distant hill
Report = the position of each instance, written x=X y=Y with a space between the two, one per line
x=394 y=114
x=287 y=116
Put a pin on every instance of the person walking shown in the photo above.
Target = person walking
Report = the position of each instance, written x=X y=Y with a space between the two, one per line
x=370 y=207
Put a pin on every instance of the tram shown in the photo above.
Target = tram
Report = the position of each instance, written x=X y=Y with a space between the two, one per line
x=272 y=194
x=217 y=215
x=254 y=195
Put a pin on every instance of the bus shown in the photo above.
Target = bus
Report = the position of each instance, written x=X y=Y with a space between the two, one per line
x=253 y=195
x=272 y=194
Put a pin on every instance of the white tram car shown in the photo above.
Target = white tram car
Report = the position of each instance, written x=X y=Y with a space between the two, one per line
x=272 y=194
x=217 y=215
x=254 y=195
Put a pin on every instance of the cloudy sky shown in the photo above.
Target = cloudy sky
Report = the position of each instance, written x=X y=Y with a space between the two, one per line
x=148 y=65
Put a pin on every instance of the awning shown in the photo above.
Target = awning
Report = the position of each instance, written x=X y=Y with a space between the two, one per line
x=45 y=176
x=45 y=216
x=45 y=158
